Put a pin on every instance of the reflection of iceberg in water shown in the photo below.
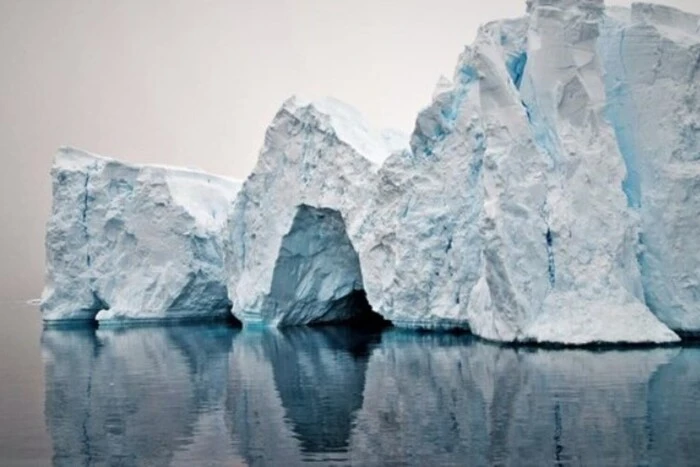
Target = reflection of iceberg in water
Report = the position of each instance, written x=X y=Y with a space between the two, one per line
x=422 y=402
x=446 y=400
x=175 y=396
x=131 y=397
x=254 y=412
x=673 y=410
x=320 y=377
x=311 y=379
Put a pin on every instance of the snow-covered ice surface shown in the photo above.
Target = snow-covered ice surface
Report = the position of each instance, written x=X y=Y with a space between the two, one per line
x=134 y=241
x=550 y=193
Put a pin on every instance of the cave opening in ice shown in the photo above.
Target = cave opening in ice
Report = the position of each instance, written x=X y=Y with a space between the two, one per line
x=317 y=277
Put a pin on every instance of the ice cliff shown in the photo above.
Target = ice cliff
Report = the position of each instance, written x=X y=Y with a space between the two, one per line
x=511 y=213
x=652 y=78
x=139 y=242
x=547 y=194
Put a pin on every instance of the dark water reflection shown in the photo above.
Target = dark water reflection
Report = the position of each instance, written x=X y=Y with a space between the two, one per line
x=204 y=395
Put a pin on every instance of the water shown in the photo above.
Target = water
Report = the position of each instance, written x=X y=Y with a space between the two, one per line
x=216 y=395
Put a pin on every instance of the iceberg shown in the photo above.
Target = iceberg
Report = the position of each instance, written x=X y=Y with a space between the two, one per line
x=136 y=242
x=548 y=194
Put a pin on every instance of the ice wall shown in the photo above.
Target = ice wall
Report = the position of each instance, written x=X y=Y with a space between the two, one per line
x=652 y=78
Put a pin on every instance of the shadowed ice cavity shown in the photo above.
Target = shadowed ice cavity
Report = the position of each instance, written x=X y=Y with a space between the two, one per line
x=173 y=396
x=317 y=276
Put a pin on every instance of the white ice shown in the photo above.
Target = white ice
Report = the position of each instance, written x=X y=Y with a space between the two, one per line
x=135 y=241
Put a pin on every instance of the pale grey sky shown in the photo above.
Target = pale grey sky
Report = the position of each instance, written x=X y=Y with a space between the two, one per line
x=195 y=83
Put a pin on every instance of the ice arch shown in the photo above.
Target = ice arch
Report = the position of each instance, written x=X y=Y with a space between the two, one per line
x=317 y=277
x=301 y=216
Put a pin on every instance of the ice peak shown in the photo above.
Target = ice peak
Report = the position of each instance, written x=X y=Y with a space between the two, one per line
x=350 y=126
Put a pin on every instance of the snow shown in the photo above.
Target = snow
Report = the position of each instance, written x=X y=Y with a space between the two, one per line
x=352 y=128
x=134 y=241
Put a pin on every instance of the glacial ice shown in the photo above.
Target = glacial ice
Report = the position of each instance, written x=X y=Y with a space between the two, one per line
x=549 y=193
x=652 y=63
x=134 y=241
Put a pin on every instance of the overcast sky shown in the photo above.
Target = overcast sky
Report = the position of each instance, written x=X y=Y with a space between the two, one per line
x=196 y=82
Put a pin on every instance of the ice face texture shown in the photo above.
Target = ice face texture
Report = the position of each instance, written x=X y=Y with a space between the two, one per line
x=579 y=233
x=549 y=194
x=136 y=242
x=652 y=62
x=293 y=238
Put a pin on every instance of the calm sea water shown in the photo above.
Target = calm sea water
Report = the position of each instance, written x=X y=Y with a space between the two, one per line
x=217 y=395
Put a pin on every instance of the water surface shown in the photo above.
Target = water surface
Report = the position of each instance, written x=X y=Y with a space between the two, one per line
x=217 y=395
